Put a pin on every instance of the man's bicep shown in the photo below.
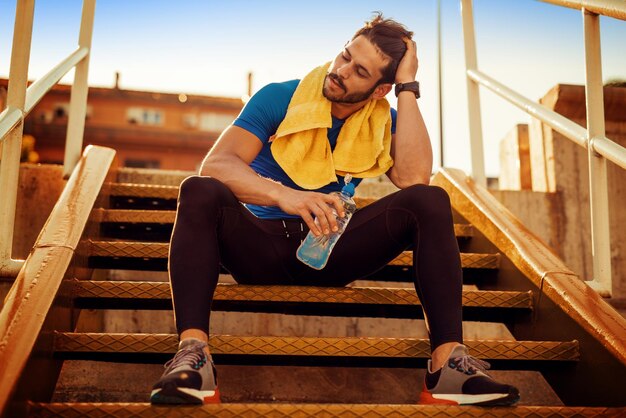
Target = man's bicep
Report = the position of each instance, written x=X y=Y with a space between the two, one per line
x=236 y=141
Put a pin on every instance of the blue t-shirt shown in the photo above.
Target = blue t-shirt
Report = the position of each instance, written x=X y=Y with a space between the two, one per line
x=261 y=116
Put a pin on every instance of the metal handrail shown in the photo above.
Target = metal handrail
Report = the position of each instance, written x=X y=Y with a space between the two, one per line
x=599 y=147
x=35 y=289
x=20 y=102
x=10 y=117
x=39 y=88
x=611 y=8
x=603 y=146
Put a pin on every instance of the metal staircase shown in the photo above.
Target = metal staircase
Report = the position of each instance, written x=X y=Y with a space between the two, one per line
x=129 y=229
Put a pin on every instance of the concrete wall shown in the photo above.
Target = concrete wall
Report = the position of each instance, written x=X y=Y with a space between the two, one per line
x=558 y=208
x=39 y=187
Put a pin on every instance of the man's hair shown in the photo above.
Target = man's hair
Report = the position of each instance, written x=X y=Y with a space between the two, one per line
x=387 y=36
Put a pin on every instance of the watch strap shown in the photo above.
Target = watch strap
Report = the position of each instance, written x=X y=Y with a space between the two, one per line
x=413 y=86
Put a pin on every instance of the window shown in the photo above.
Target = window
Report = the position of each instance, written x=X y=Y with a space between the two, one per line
x=215 y=122
x=190 y=120
x=144 y=116
x=62 y=110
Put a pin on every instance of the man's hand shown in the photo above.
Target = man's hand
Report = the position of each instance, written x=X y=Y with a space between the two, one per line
x=407 y=67
x=310 y=205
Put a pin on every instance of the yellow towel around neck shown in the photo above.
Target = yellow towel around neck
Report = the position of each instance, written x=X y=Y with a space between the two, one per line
x=301 y=147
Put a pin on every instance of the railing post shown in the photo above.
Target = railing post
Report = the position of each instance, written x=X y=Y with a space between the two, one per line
x=80 y=88
x=473 y=98
x=598 y=183
x=12 y=145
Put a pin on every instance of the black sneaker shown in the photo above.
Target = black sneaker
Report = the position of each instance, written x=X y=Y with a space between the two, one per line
x=463 y=381
x=189 y=378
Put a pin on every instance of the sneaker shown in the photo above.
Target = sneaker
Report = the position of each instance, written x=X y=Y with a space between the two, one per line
x=189 y=378
x=463 y=381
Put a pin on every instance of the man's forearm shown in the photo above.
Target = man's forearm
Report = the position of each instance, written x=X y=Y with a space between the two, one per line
x=247 y=185
x=412 y=151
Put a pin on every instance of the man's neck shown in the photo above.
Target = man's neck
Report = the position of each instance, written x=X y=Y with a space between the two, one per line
x=344 y=110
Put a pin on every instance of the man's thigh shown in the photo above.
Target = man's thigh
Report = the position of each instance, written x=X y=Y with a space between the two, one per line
x=258 y=251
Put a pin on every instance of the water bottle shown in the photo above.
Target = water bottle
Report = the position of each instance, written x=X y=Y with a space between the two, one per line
x=314 y=251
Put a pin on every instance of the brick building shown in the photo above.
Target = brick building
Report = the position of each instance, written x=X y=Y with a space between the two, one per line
x=148 y=129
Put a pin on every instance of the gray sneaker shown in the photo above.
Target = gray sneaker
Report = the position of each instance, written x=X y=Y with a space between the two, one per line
x=463 y=380
x=189 y=378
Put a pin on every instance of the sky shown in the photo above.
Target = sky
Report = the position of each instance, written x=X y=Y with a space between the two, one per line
x=209 y=46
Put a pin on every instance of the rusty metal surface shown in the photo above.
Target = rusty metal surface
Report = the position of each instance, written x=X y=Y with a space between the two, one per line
x=144 y=190
x=313 y=346
x=536 y=261
x=305 y=294
x=171 y=192
x=261 y=410
x=133 y=249
x=168 y=216
x=31 y=296
x=135 y=216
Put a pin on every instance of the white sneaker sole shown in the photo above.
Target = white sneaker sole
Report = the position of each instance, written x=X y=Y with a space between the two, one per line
x=198 y=394
x=470 y=399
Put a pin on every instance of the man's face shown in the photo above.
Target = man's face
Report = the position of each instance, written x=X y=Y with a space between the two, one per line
x=354 y=74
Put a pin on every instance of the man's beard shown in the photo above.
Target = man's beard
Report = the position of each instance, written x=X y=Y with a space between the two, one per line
x=348 y=98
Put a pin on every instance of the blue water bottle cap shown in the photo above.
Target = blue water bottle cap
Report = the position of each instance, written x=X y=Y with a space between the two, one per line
x=348 y=188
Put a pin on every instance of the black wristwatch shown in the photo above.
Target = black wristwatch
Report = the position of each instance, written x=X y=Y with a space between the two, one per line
x=413 y=86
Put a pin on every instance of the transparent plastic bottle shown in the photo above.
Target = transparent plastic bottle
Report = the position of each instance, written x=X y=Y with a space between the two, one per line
x=315 y=251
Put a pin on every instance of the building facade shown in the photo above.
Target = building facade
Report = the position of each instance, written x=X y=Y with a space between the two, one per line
x=148 y=129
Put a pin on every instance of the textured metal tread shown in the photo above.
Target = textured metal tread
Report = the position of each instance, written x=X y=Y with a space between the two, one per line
x=171 y=192
x=305 y=294
x=259 y=410
x=151 y=250
x=168 y=217
x=312 y=346
x=143 y=190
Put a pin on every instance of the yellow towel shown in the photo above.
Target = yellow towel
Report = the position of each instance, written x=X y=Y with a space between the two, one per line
x=301 y=147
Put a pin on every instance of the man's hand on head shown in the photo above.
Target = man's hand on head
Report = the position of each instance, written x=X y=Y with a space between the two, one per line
x=407 y=67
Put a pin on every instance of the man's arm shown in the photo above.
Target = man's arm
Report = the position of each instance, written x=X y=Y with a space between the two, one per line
x=410 y=146
x=228 y=161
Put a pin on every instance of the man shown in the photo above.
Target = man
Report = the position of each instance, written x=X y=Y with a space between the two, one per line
x=268 y=178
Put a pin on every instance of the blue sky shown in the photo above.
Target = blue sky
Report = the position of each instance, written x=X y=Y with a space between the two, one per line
x=208 y=47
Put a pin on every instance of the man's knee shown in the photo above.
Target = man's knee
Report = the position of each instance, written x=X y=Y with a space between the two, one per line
x=424 y=199
x=201 y=190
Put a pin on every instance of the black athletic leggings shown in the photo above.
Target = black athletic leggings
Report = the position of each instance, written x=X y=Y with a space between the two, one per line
x=213 y=227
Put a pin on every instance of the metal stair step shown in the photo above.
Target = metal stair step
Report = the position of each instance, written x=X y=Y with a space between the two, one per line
x=343 y=348
x=307 y=294
x=315 y=300
x=306 y=410
x=158 y=250
x=151 y=191
x=156 y=191
x=167 y=217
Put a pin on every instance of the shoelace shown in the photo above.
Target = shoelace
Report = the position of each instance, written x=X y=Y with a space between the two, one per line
x=471 y=364
x=187 y=356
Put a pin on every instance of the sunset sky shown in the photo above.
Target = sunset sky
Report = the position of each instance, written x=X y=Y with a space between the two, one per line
x=208 y=47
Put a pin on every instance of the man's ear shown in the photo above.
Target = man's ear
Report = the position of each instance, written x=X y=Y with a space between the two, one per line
x=381 y=91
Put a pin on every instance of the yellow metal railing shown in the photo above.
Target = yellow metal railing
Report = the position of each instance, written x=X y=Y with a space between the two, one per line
x=21 y=100
x=28 y=303
x=600 y=148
